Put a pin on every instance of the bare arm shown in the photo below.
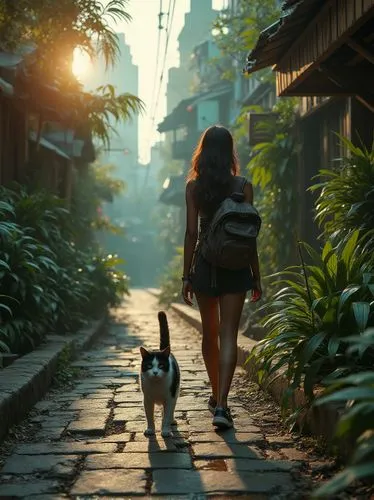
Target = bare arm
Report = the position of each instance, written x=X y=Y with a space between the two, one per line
x=191 y=233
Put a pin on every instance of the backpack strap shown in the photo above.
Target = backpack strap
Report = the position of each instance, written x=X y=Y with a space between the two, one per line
x=243 y=183
x=240 y=183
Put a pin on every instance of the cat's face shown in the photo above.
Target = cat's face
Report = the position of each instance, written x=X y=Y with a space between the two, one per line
x=155 y=364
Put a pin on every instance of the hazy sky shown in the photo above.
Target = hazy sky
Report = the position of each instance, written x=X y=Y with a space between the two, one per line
x=141 y=35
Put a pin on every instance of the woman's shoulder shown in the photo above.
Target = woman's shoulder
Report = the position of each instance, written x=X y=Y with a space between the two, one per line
x=243 y=181
x=190 y=186
x=243 y=178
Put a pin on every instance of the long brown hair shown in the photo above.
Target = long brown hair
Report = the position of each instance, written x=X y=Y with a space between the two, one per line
x=213 y=165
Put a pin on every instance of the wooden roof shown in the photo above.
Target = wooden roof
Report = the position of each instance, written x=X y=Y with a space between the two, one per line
x=275 y=40
x=321 y=49
x=180 y=115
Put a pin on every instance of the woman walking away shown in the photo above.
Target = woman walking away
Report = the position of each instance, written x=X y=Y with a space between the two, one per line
x=220 y=289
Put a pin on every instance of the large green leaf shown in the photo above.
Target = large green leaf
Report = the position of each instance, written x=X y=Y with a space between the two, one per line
x=347 y=294
x=342 y=480
x=364 y=450
x=361 y=311
x=355 y=420
x=351 y=393
x=349 y=248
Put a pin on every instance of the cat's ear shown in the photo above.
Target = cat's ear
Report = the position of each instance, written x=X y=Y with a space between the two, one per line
x=166 y=351
x=143 y=352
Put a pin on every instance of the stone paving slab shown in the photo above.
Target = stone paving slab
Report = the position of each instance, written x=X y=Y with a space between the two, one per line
x=139 y=461
x=225 y=450
x=27 y=489
x=212 y=482
x=89 y=440
x=55 y=465
x=89 y=404
x=230 y=438
x=106 y=482
x=151 y=446
x=242 y=464
x=123 y=437
x=64 y=448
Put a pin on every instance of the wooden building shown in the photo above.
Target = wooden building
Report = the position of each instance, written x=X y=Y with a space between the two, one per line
x=30 y=110
x=186 y=123
x=323 y=52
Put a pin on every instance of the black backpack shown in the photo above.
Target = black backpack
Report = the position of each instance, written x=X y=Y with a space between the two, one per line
x=230 y=240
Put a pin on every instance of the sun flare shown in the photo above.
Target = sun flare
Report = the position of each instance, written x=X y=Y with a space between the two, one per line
x=81 y=63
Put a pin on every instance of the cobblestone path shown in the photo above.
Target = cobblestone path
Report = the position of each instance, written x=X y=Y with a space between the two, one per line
x=89 y=441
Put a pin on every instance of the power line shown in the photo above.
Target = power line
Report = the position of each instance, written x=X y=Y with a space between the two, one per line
x=153 y=101
x=160 y=27
x=169 y=24
x=164 y=60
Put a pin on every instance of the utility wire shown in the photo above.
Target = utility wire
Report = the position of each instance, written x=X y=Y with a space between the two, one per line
x=160 y=28
x=169 y=28
x=170 y=17
x=155 y=78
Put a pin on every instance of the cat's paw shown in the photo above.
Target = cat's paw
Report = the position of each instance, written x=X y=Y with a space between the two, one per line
x=149 y=432
x=166 y=432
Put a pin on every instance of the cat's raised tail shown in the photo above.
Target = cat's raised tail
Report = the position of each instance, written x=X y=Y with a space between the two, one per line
x=164 y=331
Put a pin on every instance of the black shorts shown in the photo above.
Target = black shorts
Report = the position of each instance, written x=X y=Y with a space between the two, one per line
x=226 y=280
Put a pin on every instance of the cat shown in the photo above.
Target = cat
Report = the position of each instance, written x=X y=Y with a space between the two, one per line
x=160 y=381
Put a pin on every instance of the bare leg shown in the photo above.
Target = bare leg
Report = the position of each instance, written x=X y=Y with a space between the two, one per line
x=231 y=306
x=210 y=322
x=149 y=407
x=168 y=417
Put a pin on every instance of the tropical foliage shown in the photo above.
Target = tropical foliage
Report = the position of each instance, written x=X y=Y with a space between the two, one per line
x=346 y=199
x=58 y=27
x=272 y=170
x=236 y=33
x=51 y=279
x=319 y=305
x=355 y=393
x=321 y=322
x=171 y=284
x=48 y=33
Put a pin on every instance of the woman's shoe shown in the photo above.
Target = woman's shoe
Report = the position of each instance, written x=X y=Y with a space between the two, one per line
x=222 y=418
x=212 y=403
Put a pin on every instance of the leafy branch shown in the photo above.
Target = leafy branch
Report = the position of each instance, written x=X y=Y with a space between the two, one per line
x=102 y=107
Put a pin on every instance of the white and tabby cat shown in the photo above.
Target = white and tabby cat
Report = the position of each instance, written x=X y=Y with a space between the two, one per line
x=160 y=381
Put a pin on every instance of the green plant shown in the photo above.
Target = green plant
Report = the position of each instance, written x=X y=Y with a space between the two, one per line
x=65 y=373
x=47 y=282
x=91 y=189
x=56 y=30
x=107 y=285
x=272 y=170
x=171 y=284
x=320 y=304
x=29 y=279
x=356 y=394
x=346 y=200
x=86 y=24
x=235 y=33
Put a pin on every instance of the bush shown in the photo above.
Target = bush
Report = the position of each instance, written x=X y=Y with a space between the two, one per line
x=346 y=200
x=171 y=284
x=319 y=305
x=46 y=282
x=321 y=323
x=356 y=392
x=272 y=169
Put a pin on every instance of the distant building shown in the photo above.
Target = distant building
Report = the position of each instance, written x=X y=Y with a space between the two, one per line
x=198 y=24
x=124 y=147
